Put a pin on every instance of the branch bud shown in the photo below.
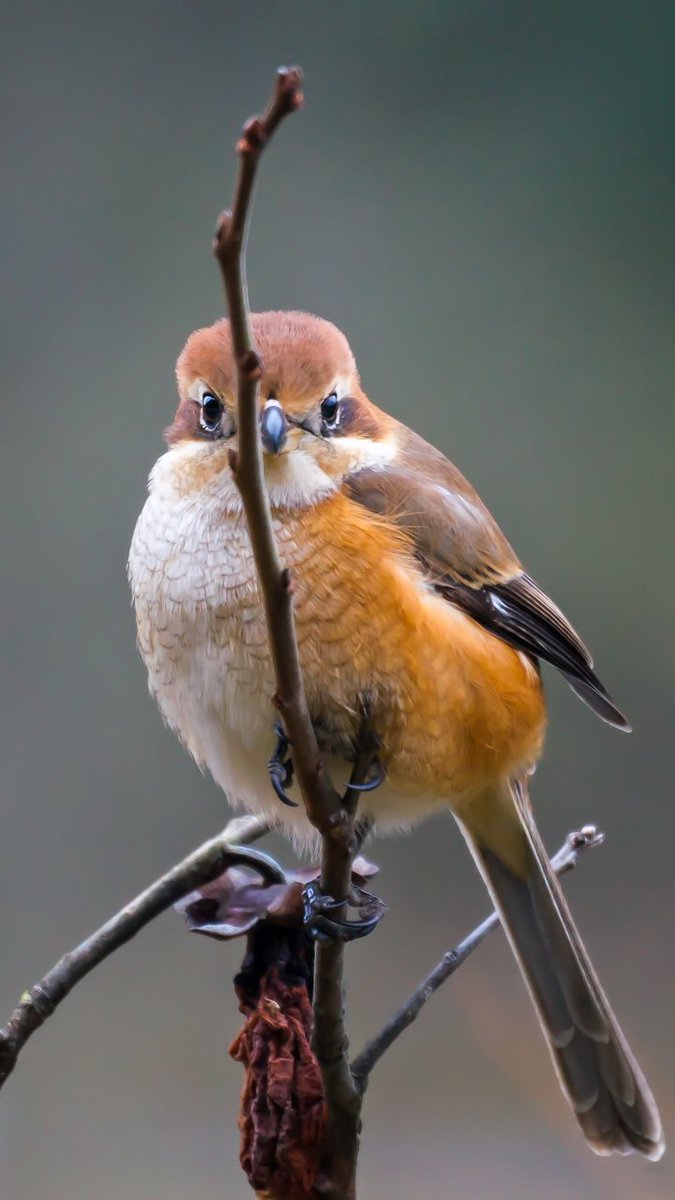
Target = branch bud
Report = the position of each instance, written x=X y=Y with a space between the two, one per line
x=253 y=137
x=250 y=364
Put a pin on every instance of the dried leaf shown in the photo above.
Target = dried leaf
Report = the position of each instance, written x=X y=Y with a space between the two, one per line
x=241 y=897
x=282 y=1111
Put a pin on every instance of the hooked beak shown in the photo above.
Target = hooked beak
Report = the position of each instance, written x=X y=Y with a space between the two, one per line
x=273 y=427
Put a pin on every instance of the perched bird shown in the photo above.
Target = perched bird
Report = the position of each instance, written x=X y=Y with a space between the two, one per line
x=408 y=598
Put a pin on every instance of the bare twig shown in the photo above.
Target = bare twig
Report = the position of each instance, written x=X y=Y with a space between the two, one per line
x=319 y=796
x=566 y=858
x=200 y=867
x=331 y=815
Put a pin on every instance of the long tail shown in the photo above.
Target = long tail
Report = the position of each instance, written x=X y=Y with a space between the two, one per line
x=597 y=1071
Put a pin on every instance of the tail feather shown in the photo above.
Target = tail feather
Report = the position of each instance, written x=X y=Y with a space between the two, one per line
x=597 y=1071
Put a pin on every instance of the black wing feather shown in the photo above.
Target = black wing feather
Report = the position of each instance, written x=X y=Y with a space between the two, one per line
x=521 y=614
x=466 y=558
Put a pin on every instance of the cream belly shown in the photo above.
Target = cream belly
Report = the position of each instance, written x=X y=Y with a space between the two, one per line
x=202 y=636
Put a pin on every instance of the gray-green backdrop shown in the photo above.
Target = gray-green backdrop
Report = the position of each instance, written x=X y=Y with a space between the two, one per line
x=481 y=194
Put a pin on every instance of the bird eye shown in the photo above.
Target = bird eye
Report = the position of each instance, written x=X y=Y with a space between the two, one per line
x=211 y=413
x=330 y=410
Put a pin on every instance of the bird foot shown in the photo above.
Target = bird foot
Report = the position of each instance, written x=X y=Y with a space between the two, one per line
x=280 y=769
x=324 y=928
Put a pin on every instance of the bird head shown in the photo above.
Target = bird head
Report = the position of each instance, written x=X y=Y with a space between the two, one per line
x=317 y=425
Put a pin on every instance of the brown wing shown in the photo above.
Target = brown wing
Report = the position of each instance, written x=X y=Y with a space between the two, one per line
x=469 y=561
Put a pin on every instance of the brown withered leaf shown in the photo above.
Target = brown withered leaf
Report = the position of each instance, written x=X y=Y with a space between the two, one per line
x=282 y=1110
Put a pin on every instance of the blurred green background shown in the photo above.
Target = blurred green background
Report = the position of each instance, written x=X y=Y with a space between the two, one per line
x=480 y=194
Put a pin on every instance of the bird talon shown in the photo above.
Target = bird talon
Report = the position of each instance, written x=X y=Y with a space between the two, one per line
x=327 y=929
x=278 y=780
x=375 y=782
x=280 y=768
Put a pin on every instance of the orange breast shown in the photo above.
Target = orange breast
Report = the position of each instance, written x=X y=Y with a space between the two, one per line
x=456 y=707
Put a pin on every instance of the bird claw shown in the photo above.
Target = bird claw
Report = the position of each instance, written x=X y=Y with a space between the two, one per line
x=375 y=782
x=327 y=929
x=280 y=768
x=280 y=778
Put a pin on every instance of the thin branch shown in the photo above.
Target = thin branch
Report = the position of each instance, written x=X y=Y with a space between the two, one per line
x=566 y=858
x=200 y=867
x=331 y=815
x=319 y=796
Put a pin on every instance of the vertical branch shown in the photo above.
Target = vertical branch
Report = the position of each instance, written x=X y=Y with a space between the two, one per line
x=332 y=816
x=320 y=799
x=331 y=1043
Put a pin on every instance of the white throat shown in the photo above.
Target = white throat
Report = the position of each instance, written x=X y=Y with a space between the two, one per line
x=295 y=479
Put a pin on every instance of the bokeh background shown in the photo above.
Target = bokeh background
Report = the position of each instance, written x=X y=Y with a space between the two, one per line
x=481 y=194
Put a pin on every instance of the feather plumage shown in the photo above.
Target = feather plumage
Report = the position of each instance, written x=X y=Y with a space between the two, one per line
x=470 y=563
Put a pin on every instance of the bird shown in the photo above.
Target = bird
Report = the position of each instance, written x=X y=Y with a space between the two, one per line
x=407 y=598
